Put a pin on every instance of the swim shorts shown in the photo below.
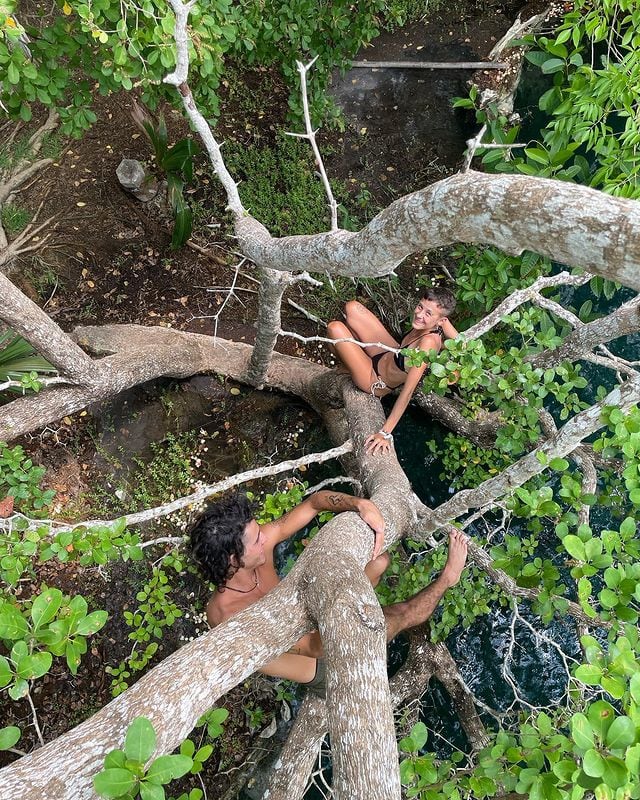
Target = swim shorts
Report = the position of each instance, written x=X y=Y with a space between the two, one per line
x=318 y=684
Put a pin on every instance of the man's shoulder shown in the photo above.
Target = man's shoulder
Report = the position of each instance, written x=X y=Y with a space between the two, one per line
x=217 y=612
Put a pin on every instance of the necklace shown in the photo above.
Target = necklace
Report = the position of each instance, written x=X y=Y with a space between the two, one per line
x=246 y=591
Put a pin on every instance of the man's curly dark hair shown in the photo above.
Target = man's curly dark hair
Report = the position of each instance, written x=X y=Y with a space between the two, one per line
x=217 y=535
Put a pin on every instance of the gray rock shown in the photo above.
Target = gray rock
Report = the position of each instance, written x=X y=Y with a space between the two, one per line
x=134 y=179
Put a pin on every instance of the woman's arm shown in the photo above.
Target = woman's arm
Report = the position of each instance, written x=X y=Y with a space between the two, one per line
x=447 y=328
x=377 y=442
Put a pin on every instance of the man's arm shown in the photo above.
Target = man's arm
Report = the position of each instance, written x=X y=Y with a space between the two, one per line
x=296 y=519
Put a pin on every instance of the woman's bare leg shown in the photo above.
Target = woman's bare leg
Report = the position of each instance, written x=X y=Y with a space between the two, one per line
x=360 y=324
x=367 y=327
x=353 y=356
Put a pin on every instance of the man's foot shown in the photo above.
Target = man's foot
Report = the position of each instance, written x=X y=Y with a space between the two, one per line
x=457 y=558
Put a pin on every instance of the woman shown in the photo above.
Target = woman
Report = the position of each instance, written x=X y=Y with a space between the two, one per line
x=379 y=371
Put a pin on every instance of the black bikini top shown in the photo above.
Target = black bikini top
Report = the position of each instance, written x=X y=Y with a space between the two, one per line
x=398 y=358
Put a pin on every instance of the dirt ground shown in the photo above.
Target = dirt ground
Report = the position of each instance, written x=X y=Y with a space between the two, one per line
x=110 y=261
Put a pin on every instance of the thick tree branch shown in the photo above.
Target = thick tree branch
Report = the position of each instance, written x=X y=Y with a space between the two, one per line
x=569 y=223
x=17 y=179
x=563 y=443
x=26 y=318
x=621 y=322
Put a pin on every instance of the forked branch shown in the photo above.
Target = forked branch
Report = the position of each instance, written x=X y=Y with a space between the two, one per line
x=310 y=136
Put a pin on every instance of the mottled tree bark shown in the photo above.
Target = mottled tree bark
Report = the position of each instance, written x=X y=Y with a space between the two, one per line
x=571 y=224
x=272 y=287
x=621 y=322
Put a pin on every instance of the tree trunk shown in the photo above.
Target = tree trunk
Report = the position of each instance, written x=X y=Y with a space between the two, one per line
x=272 y=286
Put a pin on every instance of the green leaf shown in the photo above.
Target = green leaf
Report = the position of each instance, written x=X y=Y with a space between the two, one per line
x=608 y=598
x=593 y=763
x=575 y=547
x=19 y=689
x=114 y=782
x=34 y=666
x=9 y=736
x=601 y=715
x=589 y=674
x=581 y=732
x=13 y=625
x=552 y=65
x=634 y=687
x=182 y=227
x=565 y=770
x=92 y=623
x=628 y=527
x=168 y=768
x=140 y=741
x=407 y=772
x=116 y=758
x=614 y=685
x=615 y=772
x=45 y=607
x=72 y=655
x=13 y=74
x=419 y=734
x=559 y=464
x=631 y=759
x=6 y=673
x=203 y=753
x=621 y=734
x=151 y=791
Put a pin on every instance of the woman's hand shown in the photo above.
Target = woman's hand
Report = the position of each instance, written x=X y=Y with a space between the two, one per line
x=377 y=443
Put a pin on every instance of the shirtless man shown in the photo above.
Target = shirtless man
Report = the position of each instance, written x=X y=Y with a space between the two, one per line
x=237 y=554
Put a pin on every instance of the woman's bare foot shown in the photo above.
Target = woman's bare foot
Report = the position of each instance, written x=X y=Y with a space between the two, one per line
x=457 y=558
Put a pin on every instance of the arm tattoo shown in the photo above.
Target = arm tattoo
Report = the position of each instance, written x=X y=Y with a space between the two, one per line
x=335 y=500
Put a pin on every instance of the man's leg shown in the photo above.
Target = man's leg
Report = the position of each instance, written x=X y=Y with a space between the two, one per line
x=421 y=606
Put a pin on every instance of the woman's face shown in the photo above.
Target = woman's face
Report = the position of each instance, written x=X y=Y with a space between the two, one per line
x=427 y=314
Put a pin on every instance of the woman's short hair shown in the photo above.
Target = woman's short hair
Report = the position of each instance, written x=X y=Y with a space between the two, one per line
x=217 y=535
x=443 y=297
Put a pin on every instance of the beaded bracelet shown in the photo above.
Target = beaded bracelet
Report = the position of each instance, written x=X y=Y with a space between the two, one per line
x=386 y=435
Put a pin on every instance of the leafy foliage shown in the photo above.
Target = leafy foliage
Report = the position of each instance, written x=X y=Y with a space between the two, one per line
x=592 y=131
x=107 y=45
x=279 y=185
x=176 y=161
x=129 y=774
